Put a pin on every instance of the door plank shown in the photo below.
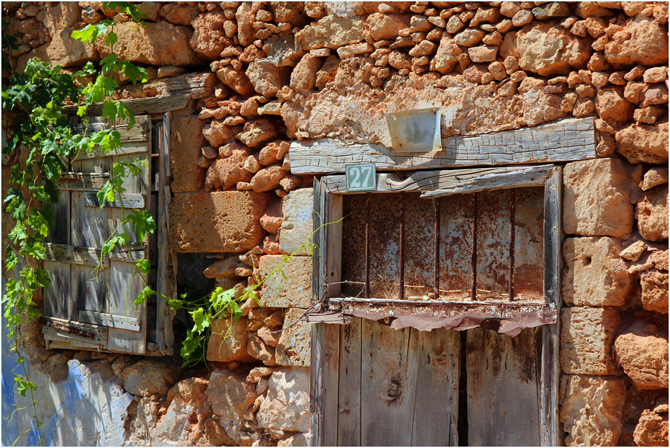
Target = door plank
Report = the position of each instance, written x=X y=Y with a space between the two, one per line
x=57 y=301
x=502 y=388
x=349 y=406
x=166 y=284
x=436 y=354
x=125 y=286
x=388 y=394
x=86 y=256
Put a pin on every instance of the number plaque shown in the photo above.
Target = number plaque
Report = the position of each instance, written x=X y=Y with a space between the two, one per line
x=361 y=177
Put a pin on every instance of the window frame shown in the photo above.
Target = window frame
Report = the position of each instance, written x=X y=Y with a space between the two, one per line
x=159 y=111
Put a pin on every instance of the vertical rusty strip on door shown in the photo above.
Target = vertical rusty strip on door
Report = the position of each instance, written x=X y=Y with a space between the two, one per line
x=367 y=246
x=474 y=248
x=437 y=248
x=402 y=248
x=512 y=209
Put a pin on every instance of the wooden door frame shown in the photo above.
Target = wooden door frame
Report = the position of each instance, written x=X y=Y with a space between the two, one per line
x=328 y=204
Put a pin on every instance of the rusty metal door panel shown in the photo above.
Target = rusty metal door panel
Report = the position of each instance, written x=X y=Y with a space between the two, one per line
x=529 y=238
x=417 y=217
x=493 y=227
x=456 y=247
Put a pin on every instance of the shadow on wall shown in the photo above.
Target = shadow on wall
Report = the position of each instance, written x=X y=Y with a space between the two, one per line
x=91 y=401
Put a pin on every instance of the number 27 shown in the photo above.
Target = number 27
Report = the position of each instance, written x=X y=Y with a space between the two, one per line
x=356 y=173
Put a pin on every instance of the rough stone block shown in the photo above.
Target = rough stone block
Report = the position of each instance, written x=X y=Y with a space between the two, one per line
x=147 y=377
x=655 y=291
x=61 y=50
x=591 y=409
x=230 y=394
x=587 y=335
x=147 y=44
x=595 y=274
x=286 y=405
x=228 y=342
x=652 y=214
x=643 y=354
x=186 y=141
x=294 y=348
x=222 y=221
x=596 y=198
x=293 y=288
x=297 y=224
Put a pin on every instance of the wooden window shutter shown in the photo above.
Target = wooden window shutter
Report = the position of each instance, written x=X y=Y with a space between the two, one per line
x=83 y=311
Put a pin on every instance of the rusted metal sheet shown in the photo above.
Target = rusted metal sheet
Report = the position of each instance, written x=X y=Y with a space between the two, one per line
x=399 y=244
x=505 y=318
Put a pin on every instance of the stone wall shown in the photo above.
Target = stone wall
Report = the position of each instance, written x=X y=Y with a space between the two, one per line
x=287 y=71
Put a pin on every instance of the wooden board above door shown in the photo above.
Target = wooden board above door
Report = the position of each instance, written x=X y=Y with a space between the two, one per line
x=562 y=141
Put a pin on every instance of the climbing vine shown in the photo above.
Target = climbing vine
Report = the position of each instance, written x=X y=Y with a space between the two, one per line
x=40 y=139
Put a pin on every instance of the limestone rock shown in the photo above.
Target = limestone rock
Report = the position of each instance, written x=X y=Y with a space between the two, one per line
x=387 y=26
x=289 y=12
x=61 y=50
x=653 y=177
x=273 y=216
x=644 y=144
x=186 y=141
x=267 y=178
x=226 y=173
x=257 y=373
x=446 y=58
x=236 y=80
x=217 y=133
x=293 y=291
x=267 y=78
x=655 y=291
x=641 y=42
x=230 y=219
x=286 y=406
x=594 y=274
x=613 y=107
x=303 y=76
x=61 y=15
x=587 y=335
x=294 y=346
x=146 y=377
x=245 y=18
x=182 y=15
x=546 y=49
x=268 y=336
x=257 y=132
x=469 y=37
x=297 y=224
x=652 y=429
x=331 y=32
x=282 y=50
x=230 y=394
x=146 y=44
x=634 y=251
x=553 y=9
x=591 y=409
x=651 y=213
x=259 y=350
x=596 y=198
x=228 y=341
x=209 y=38
x=643 y=355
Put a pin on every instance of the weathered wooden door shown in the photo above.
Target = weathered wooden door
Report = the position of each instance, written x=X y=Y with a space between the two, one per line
x=391 y=387
x=94 y=309
x=386 y=387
